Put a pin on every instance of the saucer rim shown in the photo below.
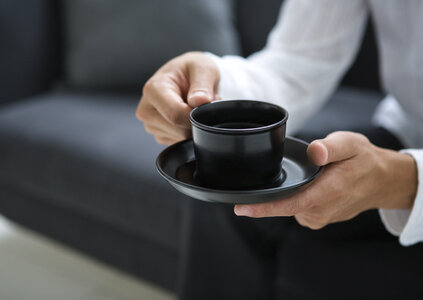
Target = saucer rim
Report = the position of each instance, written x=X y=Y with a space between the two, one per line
x=269 y=190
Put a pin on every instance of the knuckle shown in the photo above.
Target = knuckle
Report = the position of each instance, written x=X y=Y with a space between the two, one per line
x=320 y=222
x=311 y=222
x=192 y=56
x=316 y=226
x=172 y=116
x=189 y=54
x=324 y=220
x=148 y=86
x=141 y=114
x=301 y=220
x=161 y=141
x=335 y=134
x=151 y=85
x=148 y=129
x=175 y=116
x=325 y=213
x=363 y=140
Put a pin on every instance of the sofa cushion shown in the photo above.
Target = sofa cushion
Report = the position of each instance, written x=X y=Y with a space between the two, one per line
x=120 y=44
x=89 y=154
x=28 y=48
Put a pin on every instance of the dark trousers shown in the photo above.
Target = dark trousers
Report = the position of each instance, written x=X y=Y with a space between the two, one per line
x=230 y=257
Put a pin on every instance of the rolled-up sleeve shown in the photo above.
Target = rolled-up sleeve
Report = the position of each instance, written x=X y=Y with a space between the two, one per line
x=408 y=224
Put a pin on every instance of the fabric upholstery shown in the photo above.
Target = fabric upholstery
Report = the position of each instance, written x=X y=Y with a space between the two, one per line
x=89 y=154
x=130 y=252
x=120 y=44
x=28 y=49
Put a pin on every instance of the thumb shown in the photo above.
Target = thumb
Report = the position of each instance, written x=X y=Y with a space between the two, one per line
x=336 y=146
x=203 y=81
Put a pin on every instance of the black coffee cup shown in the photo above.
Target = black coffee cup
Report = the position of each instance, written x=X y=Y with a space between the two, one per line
x=238 y=144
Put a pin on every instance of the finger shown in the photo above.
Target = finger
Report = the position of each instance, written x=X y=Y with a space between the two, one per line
x=178 y=132
x=165 y=129
x=164 y=140
x=156 y=124
x=311 y=195
x=302 y=220
x=284 y=207
x=308 y=222
x=203 y=81
x=144 y=109
x=165 y=96
x=173 y=110
x=336 y=146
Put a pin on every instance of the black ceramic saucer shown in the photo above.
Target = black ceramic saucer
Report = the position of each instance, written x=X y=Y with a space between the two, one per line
x=177 y=165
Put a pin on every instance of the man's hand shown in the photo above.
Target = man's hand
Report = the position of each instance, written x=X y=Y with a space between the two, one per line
x=358 y=176
x=174 y=90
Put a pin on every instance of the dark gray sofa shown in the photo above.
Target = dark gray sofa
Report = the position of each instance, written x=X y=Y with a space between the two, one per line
x=76 y=165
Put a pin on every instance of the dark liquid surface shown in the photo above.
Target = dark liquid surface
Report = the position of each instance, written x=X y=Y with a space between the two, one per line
x=238 y=125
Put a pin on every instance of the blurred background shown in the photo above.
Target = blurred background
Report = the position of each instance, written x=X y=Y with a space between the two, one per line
x=84 y=215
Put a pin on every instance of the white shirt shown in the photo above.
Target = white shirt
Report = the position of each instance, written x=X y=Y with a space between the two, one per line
x=308 y=51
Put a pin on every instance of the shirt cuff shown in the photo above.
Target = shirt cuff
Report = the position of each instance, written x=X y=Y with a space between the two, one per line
x=408 y=224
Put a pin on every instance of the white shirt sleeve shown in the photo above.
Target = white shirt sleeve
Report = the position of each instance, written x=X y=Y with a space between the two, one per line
x=307 y=52
x=406 y=224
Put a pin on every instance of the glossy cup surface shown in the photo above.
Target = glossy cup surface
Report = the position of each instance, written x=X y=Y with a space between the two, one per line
x=238 y=144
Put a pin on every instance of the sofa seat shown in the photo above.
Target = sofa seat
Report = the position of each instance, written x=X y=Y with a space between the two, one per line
x=89 y=154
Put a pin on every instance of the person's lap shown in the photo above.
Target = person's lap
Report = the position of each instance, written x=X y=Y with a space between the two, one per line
x=354 y=260
x=230 y=257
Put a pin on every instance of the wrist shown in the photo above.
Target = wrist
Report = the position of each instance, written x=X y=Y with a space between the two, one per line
x=400 y=180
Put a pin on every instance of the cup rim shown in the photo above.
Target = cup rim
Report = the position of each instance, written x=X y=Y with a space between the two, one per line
x=214 y=129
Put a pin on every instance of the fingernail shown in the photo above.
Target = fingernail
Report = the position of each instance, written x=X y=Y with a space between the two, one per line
x=325 y=155
x=198 y=97
x=243 y=210
x=320 y=156
x=199 y=94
